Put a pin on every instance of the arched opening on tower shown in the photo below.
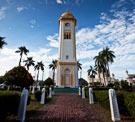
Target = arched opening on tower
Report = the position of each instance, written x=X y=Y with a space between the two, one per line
x=67 y=77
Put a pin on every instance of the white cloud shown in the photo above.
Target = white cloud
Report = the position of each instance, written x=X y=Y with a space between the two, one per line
x=19 y=9
x=10 y=59
x=33 y=22
x=53 y=40
x=59 y=1
x=3 y=12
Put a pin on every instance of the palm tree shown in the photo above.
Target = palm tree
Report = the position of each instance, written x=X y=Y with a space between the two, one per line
x=2 y=42
x=109 y=58
x=53 y=66
x=29 y=62
x=79 y=67
x=22 y=50
x=39 y=66
x=91 y=73
x=99 y=64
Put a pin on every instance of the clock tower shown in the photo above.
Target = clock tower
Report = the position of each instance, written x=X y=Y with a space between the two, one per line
x=67 y=70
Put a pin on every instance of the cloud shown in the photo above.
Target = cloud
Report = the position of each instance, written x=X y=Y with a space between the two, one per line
x=59 y=1
x=20 y=9
x=33 y=23
x=3 y=12
x=10 y=59
x=53 y=40
x=116 y=31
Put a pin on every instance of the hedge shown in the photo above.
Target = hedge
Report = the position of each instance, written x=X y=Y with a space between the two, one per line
x=9 y=103
x=38 y=95
x=126 y=100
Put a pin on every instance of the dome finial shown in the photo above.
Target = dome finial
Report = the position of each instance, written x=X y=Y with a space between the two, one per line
x=67 y=10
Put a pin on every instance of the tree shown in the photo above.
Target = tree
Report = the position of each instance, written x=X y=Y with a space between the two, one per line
x=48 y=82
x=91 y=73
x=83 y=82
x=53 y=66
x=124 y=85
x=29 y=62
x=79 y=67
x=2 y=42
x=1 y=79
x=22 y=50
x=108 y=58
x=18 y=76
x=39 y=66
x=99 y=64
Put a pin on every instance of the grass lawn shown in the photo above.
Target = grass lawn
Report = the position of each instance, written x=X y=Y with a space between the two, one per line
x=106 y=114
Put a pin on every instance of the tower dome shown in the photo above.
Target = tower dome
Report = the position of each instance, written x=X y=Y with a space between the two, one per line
x=67 y=16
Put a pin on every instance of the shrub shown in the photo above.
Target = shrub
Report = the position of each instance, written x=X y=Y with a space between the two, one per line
x=38 y=95
x=18 y=76
x=103 y=98
x=130 y=103
x=83 y=82
x=1 y=79
x=103 y=88
x=48 y=82
x=124 y=85
x=110 y=85
x=116 y=85
x=126 y=101
x=9 y=103
x=86 y=92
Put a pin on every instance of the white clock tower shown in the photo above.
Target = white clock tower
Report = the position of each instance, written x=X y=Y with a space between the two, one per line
x=67 y=70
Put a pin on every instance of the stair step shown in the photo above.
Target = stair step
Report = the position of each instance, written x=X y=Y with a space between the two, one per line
x=66 y=90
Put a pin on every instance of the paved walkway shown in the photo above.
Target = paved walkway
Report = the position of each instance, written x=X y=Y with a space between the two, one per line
x=65 y=107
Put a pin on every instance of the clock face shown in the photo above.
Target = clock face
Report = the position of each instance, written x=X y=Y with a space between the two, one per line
x=67 y=24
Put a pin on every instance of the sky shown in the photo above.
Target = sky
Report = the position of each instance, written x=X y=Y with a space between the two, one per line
x=100 y=23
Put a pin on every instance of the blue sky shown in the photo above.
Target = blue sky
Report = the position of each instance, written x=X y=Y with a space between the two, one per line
x=100 y=23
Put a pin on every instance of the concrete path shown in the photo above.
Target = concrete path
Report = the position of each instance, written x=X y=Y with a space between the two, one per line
x=65 y=107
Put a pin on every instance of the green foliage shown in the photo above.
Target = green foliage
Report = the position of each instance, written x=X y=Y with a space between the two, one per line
x=130 y=104
x=83 y=82
x=86 y=92
x=95 y=84
x=102 y=88
x=126 y=101
x=48 y=82
x=102 y=97
x=9 y=103
x=124 y=85
x=41 y=83
x=110 y=85
x=116 y=85
x=19 y=76
x=1 y=79
x=38 y=95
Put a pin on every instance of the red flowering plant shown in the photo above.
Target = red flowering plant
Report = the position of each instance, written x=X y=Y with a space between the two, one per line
x=18 y=76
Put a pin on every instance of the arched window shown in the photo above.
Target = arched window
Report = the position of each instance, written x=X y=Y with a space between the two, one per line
x=67 y=35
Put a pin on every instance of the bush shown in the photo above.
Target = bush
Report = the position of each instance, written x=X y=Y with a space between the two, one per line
x=18 y=76
x=48 y=82
x=126 y=101
x=110 y=85
x=116 y=85
x=38 y=95
x=103 y=98
x=103 y=88
x=1 y=79
x=130 y=103
x=83 y=82
x=124 y=85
